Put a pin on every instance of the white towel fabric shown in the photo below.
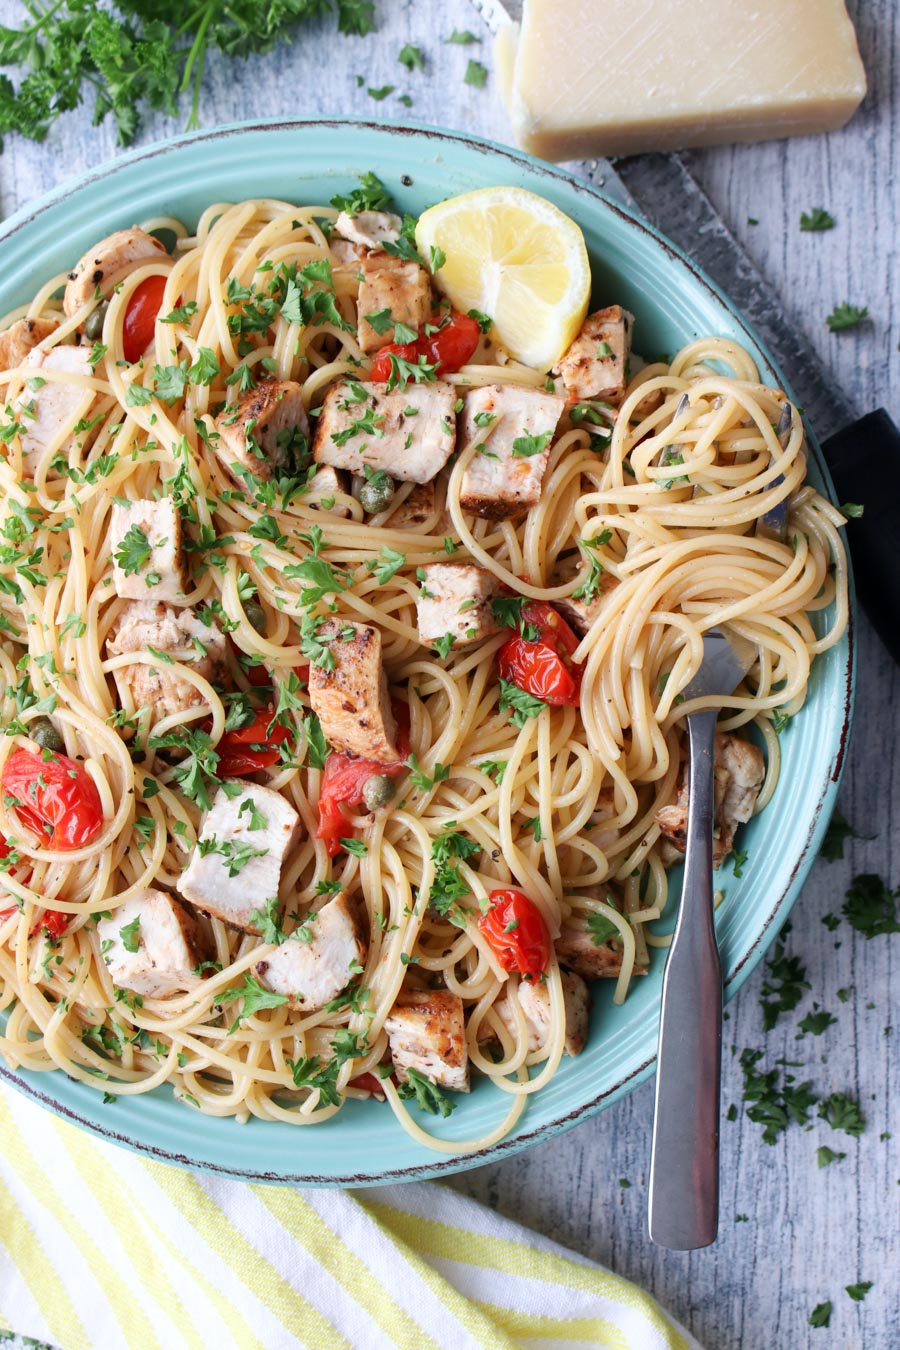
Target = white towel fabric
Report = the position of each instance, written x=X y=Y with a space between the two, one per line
x=101 y=1249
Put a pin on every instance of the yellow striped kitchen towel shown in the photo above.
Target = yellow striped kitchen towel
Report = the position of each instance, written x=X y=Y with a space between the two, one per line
x=101 y=1249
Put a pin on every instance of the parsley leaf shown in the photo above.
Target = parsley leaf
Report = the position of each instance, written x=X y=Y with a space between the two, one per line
x=254 y=996
x=838 y=830
x=846 y=316
x=369 y=195
x=524 y=705
x=784 y=987
x=820 y=1315
x=130 y=934
x=411 y=57
x=268 y=921
x=842 y=1113
x=858 y=1291
x=601 y=929
x=428 y=1095
x=386 y=565
x=816 y=220
x=134 y=551
x=314 y=1073
x=476 y=74
x=870 y=907
x=525 y=446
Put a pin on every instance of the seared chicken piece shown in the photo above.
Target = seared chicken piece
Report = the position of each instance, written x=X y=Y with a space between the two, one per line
x=427 y=1032
x=20 y=338
x=108 y=263
x=455 y=600
x=179 y=634
x=258 y=432
x=370 y=229
x=236 y=866
x=415 y=510
x=575 y=948
x=515 y=426
x=403 y=288
x=352 y=701
x=319 y=959
x=582 y=614
x=740 y=770
x=161 y=573
x=152 y=945
x=596 y=364
x=534 y=999
x=409 y=434
x=49 y=415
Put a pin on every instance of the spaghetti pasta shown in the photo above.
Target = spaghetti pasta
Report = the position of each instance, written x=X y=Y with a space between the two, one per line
x=646 y=516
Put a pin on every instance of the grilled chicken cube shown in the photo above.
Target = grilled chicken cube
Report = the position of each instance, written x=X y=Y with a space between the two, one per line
x=319 y=959
x=511 y=423
x=21 y=338
x=596 y=364
x=107 y=263
x=739 y=772
x=415 y=510
x=161 y=573
x=455 y=600
x=427 y=1032
x=49 y=415
x=326 y=483
x=179 y=634
x=370 y=229
x=576 y=949
x=409 y=434
x=534 y=1000
x=402 y=288
x=259 y=431
x=154 y=945
x=236 y=866
x=352 y=701
x=582 y=614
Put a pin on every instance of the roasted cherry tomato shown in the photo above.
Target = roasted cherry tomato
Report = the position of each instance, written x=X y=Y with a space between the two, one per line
x=140 y=317
x=368 y=1082
x=450 y=347
x=247 y=749
x=55 y=797
x=344 y=779
x=515 y=928
x=538 y=659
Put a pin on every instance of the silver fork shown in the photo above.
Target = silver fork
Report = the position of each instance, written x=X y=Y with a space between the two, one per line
x=684 y=1170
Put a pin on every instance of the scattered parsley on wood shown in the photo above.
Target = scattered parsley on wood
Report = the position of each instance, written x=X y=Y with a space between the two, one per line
x=462 y=38
x=411 y=57
x=476 y=74
x=784 y=988
x=839 y=829
x=842 y=1113
x=816 y=220
x=817 y=1022
x=825 y=1156
x=845 y=316
x=820 y=1315
x=870 y=907
x=858 y=1291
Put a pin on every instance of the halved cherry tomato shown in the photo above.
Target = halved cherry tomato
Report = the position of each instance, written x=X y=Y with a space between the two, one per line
x=343 y=779
x=516 y=931
x=53 y=920
x=543 y=666
x=140 y=317
x=451 y=346
x=55 y=797
x=247 y=749
x=368 y=1082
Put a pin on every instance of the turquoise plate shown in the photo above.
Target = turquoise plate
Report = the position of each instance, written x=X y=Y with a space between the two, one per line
x=307 y=162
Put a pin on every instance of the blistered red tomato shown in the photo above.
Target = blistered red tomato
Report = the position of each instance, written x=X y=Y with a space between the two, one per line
x=255 y=746
x=55 y=797
x=538 y=659
x=517 y=932
x=450 y=347
x=344 y=778
x=140 y=317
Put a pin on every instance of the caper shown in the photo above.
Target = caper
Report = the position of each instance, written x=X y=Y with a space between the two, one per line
x=93 y=324
x=256 y=616
x=378 y=791
x=44 y=732
x=377 y=493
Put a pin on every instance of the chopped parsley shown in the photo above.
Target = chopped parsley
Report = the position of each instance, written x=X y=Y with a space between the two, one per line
x=411 y=57
x=816 y=220
x=870 y=907
x=845 y=316
x=525 y=446
x=601 y=929
x=369 y=195
x=134 y=551
x=784 y=986
x=842 y=1113
x=318 y=1075
x=522 y=704
x=820 y=1315
x=255 y=999
x=476 y=74
x=858 y=1291
x=428 y=1096
x=130 y=934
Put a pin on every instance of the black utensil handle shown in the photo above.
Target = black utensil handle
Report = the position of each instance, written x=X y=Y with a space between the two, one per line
x=864 y=460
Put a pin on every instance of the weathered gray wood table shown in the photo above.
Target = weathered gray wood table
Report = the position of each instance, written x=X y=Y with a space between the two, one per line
x=792 y=1235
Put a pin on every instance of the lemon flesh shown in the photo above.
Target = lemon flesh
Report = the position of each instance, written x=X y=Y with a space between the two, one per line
x=516 y=257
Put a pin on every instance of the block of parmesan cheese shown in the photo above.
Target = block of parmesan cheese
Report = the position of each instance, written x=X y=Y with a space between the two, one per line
x=583 y=78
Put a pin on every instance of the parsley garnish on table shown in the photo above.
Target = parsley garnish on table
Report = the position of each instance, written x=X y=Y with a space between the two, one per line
x=136 y=56
x=845 y=316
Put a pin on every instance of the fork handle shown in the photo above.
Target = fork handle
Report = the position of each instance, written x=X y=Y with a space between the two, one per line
x=684 y=1171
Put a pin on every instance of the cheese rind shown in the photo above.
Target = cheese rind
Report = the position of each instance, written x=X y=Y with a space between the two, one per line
x=643 y=76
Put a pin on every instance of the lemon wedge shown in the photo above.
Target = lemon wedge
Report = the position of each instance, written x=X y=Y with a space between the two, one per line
x=516 y=257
